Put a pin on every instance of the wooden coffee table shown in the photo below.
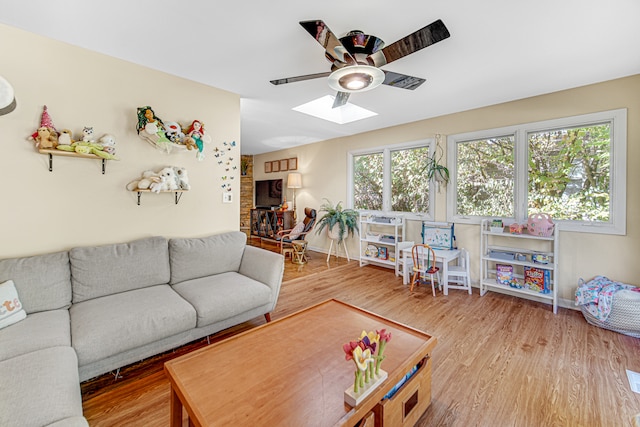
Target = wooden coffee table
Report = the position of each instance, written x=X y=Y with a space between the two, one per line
x=293 y=372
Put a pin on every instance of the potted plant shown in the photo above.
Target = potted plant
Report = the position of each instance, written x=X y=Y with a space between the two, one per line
x=345 y=220
x=436 y=171
x=244 y=166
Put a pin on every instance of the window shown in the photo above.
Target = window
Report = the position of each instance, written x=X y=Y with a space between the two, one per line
x=391 y=179
x=572 y=168
x=367 y=181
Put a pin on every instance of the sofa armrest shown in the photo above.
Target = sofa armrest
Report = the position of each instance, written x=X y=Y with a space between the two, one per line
x=264 y=266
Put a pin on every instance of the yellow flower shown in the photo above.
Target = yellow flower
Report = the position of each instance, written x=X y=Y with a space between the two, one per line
x=362 y=358
x=373 y=336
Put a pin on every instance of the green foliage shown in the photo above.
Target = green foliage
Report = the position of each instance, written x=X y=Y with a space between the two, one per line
x=434 y=170
x=568 y=174
x=367 y=181
x=409 y=187
x=347 y=219
x=409 y=183
x=486 y=177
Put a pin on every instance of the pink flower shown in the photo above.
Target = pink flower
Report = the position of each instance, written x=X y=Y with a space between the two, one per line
x=384 y=336
x=348 y=349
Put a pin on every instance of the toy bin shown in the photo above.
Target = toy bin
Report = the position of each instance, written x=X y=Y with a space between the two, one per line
x=540 y=225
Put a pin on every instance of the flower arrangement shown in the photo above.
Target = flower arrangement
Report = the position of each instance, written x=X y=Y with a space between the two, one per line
x=363 y=353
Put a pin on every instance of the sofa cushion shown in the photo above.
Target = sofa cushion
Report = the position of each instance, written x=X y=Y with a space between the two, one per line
x=223 y=296
x=71 y=422
x=43 y=281
x=38 y=331
x=200 y=257
x=97 y=271
x=11 y=310
x=109 y=325
x=40 y=388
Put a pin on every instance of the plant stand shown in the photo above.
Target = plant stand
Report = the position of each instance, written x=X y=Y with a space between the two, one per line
x=333 y=234
x=337 y=245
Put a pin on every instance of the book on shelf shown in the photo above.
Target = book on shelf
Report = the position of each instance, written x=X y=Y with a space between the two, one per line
x=537 y=279
x=504 y=274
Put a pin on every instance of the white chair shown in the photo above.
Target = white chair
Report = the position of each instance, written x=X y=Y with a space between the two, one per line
x=459 y=274
x=403 y=263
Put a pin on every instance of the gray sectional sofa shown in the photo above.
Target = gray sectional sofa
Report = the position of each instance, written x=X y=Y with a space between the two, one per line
x=91 y=310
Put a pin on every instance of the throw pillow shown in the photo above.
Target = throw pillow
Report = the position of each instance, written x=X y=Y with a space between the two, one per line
x=10 y=307
x=295 y=231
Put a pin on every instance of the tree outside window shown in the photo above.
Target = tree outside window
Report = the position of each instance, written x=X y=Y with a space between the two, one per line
x=409 y=188
x=368 y=181
x=569 y=173
x=572 y=168
x=486 y=177
x=392 y=179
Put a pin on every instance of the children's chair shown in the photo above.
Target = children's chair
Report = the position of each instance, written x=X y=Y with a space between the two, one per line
x=424 y=263
x=459 y=274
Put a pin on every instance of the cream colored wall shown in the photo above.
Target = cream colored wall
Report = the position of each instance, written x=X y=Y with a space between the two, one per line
x=324 y=169
x=75 y=204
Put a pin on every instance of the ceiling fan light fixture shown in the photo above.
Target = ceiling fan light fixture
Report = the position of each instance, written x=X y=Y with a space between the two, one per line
x=356 y=78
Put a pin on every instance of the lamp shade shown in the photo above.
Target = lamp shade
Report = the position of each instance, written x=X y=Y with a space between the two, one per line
x=294 y=180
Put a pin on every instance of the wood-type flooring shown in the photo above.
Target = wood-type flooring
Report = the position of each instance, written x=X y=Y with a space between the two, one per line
x=500 y=360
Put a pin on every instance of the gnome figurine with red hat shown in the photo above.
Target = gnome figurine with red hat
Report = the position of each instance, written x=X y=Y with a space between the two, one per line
x=46 y=136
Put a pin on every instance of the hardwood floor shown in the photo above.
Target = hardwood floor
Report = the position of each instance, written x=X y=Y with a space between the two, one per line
x=500 y=360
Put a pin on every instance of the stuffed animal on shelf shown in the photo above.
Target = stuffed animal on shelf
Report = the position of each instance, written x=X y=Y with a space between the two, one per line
x=174 y=132
x=182 y=179
x=87 y=134
x=160 y=185
x=163 y=180
x=152 y=128
x=108 y=143
x=147 y=178
x=87 y=148
x=46 y=138
x=65 y=137
x=170 y=183
x=196 y=134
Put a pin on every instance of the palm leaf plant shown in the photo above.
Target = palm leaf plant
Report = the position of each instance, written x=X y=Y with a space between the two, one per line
x=346 y=219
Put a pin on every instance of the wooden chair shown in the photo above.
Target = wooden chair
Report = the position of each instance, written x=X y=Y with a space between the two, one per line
x=424 y=263
x=459 y=274
x=285 y=237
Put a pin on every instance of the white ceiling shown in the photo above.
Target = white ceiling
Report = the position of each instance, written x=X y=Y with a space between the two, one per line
x=499 y=50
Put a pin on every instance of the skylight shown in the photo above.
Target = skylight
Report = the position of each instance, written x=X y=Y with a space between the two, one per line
x=322 y=109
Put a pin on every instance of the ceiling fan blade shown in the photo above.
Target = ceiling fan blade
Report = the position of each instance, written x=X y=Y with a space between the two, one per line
x=402 y=80
x=334 y=50
x=341 y=99
x=300 y=78
x=424 y=37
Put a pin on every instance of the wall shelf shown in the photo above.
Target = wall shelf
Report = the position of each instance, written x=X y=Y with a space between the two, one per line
x=178 y=194
x=54 y=152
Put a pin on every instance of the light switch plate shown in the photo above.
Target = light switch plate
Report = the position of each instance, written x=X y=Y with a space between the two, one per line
x=227 y=197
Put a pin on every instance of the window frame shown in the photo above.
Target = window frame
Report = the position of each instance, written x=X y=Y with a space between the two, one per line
x=386 y=150
x=617 y=174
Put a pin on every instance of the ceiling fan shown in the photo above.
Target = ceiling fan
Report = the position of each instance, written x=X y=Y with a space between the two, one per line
x=357 y=57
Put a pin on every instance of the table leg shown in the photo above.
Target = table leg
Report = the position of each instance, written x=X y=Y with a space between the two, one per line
x=445 y=276
x=405 y=272
x=176 y=410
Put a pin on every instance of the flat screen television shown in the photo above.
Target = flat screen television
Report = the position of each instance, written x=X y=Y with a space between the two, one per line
x=268 y=193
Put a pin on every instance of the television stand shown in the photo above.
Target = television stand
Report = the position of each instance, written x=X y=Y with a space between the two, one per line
x=266 y=223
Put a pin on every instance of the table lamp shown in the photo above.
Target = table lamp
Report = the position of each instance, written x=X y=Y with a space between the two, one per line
x=294 y=180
